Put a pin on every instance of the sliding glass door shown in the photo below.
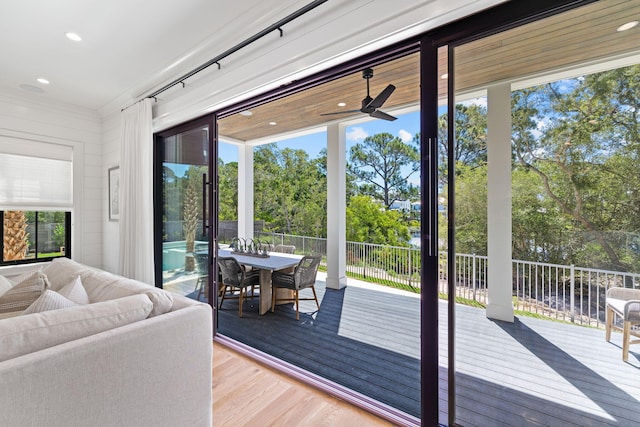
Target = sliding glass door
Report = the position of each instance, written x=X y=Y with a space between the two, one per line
x=542 y=161
x=184 y=208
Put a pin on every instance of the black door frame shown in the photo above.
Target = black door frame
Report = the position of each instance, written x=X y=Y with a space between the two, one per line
x=211 y=220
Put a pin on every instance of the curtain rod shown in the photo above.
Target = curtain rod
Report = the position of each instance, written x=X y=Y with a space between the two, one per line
x=245 y=43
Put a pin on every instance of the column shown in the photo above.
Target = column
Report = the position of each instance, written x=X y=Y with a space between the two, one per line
x=500 y=305
x=336 y=207
x=245 y=191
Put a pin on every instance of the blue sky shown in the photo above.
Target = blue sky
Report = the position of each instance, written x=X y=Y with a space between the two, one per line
x=405 y=127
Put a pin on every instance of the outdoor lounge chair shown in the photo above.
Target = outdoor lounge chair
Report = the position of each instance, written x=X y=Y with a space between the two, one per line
x=235 y=276
x=624 y=303
x=303 y=276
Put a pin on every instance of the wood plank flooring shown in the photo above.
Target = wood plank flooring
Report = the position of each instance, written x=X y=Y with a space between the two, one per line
x=246 y=393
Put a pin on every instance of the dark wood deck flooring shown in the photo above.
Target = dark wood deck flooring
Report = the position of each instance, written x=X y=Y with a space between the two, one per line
x=531 y=372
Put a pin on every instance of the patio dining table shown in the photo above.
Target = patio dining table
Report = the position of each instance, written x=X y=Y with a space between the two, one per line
x=275 y=261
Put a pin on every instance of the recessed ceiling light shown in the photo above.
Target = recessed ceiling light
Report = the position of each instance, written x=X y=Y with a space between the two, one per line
x=342 y=104
x=74 y=37
x=43 y=81
x=627 y=26
x=31 y=88
x=444 y=76
x=272 y=123
x=246 y=113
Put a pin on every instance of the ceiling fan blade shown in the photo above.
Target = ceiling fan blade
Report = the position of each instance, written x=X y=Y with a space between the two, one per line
x=340 y=112
x=382 y=97
x=382 y=115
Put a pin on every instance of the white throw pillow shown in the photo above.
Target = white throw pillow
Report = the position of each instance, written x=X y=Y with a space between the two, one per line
x=61 y=271
x=34 y=332
x=49 y=300
x=75 y=292
x=26 y=290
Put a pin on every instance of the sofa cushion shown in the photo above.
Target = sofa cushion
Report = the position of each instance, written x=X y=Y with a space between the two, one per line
x=62 y=271
x=104 y=286
x=5 y=285
x=33 y=332
x=75 y=291
x=49 y=300
x=26 y=290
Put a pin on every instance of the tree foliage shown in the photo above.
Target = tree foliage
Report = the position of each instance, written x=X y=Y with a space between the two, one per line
x=290 y=191
x=377 y=163
x=575 y=180
x=368 y=221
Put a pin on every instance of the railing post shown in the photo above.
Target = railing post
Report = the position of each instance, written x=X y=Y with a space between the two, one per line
x=473 y=275
x=572 y=289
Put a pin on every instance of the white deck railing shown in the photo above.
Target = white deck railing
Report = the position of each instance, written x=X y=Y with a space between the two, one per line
x=569 y=293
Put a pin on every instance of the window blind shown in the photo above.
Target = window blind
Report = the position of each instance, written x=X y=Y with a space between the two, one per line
x=35 y=174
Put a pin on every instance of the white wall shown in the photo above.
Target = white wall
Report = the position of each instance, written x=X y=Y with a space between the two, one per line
x=110 y=158
x=30 y=118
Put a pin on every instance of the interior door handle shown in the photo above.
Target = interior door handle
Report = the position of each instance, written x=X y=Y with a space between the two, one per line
x=204 y=204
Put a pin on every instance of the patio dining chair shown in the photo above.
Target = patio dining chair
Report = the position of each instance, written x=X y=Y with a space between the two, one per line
x=202 y=259
x=625 y=304
x=303 y=277
x=235 y=276
x=284 y=249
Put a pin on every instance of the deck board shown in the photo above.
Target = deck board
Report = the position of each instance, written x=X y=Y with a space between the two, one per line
x=532 y=372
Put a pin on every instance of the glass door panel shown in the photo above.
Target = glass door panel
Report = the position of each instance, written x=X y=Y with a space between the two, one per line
x=184 y=156
x=538 y=241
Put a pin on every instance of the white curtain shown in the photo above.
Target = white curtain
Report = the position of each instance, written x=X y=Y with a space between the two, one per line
x=136 y=193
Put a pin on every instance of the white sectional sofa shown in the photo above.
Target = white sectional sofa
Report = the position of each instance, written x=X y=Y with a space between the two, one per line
x=112 y=352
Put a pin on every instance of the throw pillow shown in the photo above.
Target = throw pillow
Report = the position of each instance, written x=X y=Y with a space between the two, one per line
x=75 y=292
x=5 y=285
x=48 y=301
x=61 y=271
x=27 y=289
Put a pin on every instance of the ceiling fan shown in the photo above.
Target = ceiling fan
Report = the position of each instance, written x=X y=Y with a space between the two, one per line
x=370 y=105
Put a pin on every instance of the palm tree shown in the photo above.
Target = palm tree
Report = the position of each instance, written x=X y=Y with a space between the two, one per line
x=190 y=224
x=16 y=243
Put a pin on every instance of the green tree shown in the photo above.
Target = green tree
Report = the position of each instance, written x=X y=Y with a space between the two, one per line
x=470 y=138
x=227 y=190
x=368 y=221
x=290 y=191
x=584 y=150
x=378 y=162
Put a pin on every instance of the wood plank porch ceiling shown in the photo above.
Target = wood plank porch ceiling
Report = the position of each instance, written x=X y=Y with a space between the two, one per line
x=584 y=35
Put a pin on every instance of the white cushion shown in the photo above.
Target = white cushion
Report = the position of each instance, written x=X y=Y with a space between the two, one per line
x=62 y=271
x=103 y=286
x=34 y=332
x=26 y=290
x=49 y=300
x=75 y=292
x=5 y=285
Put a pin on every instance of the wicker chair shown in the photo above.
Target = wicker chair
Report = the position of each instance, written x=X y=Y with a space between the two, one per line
x=285 y=249
x=304 y=276
x=623 y=303
x=202 y=267
x=235 y=276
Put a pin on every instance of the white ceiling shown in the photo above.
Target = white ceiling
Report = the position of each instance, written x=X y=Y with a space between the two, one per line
x=132 y=47
x=128 y=46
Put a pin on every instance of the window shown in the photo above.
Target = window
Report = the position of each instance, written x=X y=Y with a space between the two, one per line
x=30 y=236
x=36 y=197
